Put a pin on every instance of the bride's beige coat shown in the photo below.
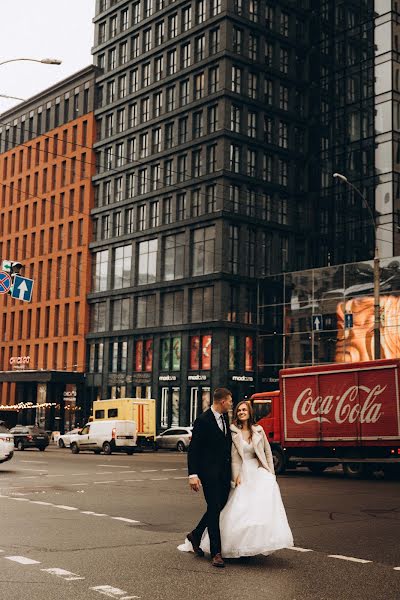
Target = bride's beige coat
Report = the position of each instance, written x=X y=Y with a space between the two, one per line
x=261 y=448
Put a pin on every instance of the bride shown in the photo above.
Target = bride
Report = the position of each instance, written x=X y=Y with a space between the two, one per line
x=253 y=520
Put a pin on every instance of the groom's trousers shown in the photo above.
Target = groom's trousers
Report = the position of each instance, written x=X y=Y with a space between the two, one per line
x=216 y=492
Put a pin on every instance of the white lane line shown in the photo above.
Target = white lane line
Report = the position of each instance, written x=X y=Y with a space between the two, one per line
x=42 y=503
x=298 y=549
x=125 y=519
x=115 y=466
x=169 y=469
x=125 y=472
x=64 y=507
x=149 y=470
x=43 y=471
x=1 y=550
x=158 y=478
x=129 y=480
x=396 y=568
x=75 y=474
x=78 y=484
x=66 y=575
x=112 y=481
x=39 y=462
x=350 y=558
x=22 y=560
x=105 y=473
x=18 y=499
x=29 y=477
x=93 y=514
x=112 y=592
x=180 y=477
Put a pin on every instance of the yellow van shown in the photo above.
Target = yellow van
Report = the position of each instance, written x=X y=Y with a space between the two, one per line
x=140 y=410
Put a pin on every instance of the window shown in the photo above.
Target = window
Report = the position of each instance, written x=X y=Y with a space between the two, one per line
x=146 y=74
x=235 y=118
x=145 y=311
x=98 y=316
x=183 y=130
x=203 y=251
x=174 y=257
x=171 y=62
x=198 y=124
x=156 y=140
x=155 y=180
x=129 y=221
x=284 y=60
x=168 y=179
x=135 y=47
x=214 y=40
x=145 y=109
x=120 y=311
x=186 y=18
x=158 y=68
x=199 y=44
x=100 y=271
x=167 y=210
x=173 y=26
x=213 y=79
x=118 y=356
x=147 y=40
x=283 y=134
x=122 y=260
x=142 y=217
x=237 y=41
x=200 y=352
x=253 y=47
x=170 y=98
x=254 y=10
x=283 y=172
x=181 y=171
x=252 y=85
x=236 y=80
x=133 y=115
x=172 y=308
x=283 y=97
x=200 y=11
x=147 y=261
x=198 y=86
x=211 y=158
x=134 y=80
x=215 y=7
x=196 y=163
x=154 y=214
x=186 y=55
x=284 y=24
x=233 y=257
x=212 y=119
x=160 y=31
x=202 y=304
x=251 y=163
x=157 y=104
x=196 y=203
x=235 y=158
x=211 y=198
x=184 y=92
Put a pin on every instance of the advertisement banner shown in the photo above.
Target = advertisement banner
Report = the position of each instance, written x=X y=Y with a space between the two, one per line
x=338 y=402
x=139 y=355
x=148 y=355
x=232 y=353
x=176 y=353
x=249 y=366
x=206 y=347
x=165 y=350
x=194 y=352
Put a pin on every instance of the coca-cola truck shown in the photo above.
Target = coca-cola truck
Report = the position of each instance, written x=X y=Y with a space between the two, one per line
x=327 y=415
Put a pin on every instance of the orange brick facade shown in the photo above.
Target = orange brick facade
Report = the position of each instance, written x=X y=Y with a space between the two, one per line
x=45 y=200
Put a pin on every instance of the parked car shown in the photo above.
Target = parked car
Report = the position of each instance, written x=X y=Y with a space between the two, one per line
x=64 y=441
x=6 y=443
x=30 y=436
x=175 y=438
x=107 y=436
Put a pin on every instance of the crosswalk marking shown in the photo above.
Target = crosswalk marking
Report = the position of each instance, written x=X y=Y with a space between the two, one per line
x=66 y=575
x=23 y=560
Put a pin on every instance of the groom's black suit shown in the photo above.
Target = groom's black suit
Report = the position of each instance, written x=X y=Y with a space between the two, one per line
x=209 y=457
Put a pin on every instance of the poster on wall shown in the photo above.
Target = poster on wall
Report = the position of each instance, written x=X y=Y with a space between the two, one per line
x=194 y=352
x=232 y=352
x=148 y=355
x=206 y=347
x=138 y=355
x=249 y=354
x=165 y=350
x=176 y=353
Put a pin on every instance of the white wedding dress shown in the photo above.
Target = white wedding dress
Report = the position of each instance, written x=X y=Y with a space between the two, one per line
x=253 y=520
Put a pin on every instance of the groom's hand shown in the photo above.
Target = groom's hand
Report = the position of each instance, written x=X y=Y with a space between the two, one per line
x=195 y=483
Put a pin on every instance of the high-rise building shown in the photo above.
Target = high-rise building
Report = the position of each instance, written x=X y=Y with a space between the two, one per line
x=220 y=124
x=46 y=195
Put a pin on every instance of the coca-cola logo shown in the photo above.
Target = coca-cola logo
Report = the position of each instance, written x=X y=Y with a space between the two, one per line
x=347 y=407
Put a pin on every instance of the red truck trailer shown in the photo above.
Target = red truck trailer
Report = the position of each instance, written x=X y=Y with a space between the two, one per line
x=346 y=414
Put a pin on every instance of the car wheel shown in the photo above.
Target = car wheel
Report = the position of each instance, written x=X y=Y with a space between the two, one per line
x=180 y=447
x=107 y=448
x=279 y=461
x=20 y=446
x=61 y=444
x=74 y=448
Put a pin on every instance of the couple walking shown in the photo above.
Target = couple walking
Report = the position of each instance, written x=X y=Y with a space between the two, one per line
x=245 y=514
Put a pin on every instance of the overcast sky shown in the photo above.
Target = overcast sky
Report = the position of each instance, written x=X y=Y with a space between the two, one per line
x=60 y=29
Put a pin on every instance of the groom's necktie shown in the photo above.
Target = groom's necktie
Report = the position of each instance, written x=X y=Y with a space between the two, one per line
x=223 y=424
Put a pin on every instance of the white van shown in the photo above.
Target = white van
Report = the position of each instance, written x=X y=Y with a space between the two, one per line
x=106 y=436
x=6 y=443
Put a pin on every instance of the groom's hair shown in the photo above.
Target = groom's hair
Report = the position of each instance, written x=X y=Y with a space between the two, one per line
x=220 y=394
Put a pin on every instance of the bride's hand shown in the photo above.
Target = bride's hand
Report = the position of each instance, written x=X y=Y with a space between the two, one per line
x=238 y=480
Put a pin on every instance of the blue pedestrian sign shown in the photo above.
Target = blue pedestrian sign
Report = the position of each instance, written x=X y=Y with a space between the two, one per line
x=22 y=288
x=317 y=322
x=348 y=320
x=5 y=282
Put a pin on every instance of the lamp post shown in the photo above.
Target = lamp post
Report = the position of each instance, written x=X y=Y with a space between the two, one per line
x=45 y=61
x=377 y=316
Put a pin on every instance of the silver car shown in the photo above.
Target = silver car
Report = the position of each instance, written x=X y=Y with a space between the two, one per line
x=175 y=438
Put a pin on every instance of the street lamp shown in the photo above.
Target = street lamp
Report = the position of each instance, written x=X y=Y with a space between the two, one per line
x=377 y=317
x=45 y=61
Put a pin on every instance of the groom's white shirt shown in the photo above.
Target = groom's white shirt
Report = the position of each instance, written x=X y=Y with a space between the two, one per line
x=217 y=416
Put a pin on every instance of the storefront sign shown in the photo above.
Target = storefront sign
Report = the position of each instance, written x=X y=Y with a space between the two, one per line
x=116 y=379
x=139 y=378
x=242 y=378
x=70 y=395
x=270 y=380
x=19 y=362
x=167 y=378
x=197 y=377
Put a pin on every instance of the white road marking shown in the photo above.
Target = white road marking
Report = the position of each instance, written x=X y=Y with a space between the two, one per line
x=180 y=477
x=169 y=469
x=129 y=480
x=22 y=560
x=66 y=575
x=78 y=484
x=76 y=474
x=64 y=507
x=149 y=470
x=112 y=481
x=298 y=549
x=159 y=479
x=112 y=592
x=39 y=462
x=1 y=550
x=124 y=519
x=396 y=568
x=115 y=466
x=42 y=503
x=104 y=473
x=43 y=471
x=350 y=558
x=19 y=499
x=94 y=514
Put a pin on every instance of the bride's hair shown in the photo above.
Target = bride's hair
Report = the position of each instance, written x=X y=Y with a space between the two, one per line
x=250 y=420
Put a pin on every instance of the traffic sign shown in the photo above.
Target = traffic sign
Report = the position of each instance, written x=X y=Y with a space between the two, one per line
x=5 y=282
x=22 y=288
x=6 y=265
x=348 y=320
x=317 y=322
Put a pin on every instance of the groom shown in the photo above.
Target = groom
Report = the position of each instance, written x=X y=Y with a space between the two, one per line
x=209 y=465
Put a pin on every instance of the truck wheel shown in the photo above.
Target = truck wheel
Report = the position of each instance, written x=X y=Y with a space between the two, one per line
x=317 y=468
x=279 y=461
x=74 y=448
x=356 y=470
x=107 y=448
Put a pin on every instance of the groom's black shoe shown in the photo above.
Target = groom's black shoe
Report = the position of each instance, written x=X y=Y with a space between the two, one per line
x=218 y=561
x=195 y=543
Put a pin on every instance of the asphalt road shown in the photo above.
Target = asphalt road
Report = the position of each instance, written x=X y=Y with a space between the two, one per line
x=86 y=527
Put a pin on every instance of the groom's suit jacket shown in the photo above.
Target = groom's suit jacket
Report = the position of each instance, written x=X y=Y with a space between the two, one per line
x=209 y=453
x=261 y=448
